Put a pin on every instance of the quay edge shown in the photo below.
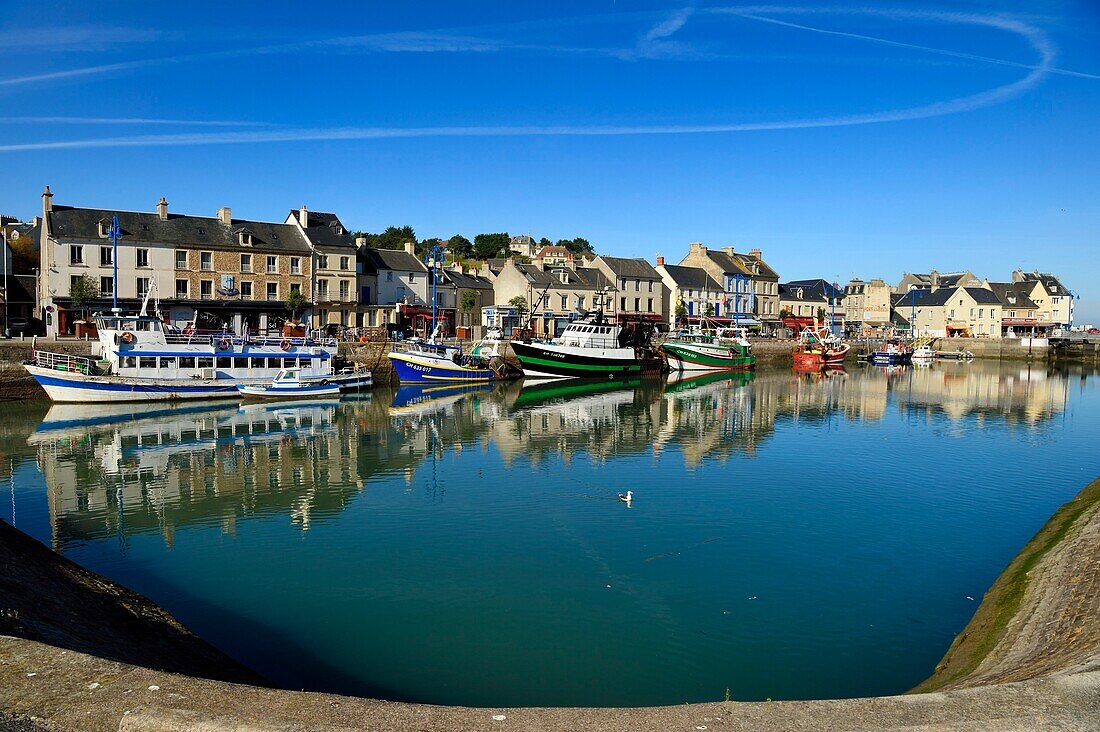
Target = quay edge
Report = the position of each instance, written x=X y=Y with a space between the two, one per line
x=1025 y=676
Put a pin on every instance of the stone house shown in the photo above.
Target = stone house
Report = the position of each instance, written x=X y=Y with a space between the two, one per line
x=934 y=280
x=690 y=287
x=334 y=287
x=396 y=282
x=569 y=292
x=638 y=289
x=214 y=271
x=751 y=287
x=945 y=312
x=1020 y=314
x=1053 y=300
x=867 y=304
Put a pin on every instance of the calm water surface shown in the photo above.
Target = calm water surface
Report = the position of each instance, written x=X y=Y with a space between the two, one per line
x=790 y=537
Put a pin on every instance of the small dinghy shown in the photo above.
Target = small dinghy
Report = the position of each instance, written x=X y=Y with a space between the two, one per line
x=288 y=384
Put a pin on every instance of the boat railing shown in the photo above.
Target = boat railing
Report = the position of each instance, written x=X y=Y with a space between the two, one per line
x=64 y=362
x=214 y=336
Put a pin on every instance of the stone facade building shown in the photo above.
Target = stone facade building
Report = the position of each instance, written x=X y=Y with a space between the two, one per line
x=638 y=292
x=334 y=286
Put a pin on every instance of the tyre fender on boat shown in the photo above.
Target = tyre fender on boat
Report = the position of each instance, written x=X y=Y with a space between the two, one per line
x=223 y=344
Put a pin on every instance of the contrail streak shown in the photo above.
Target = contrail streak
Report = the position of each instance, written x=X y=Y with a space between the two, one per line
x=1037 y=72
x=130 y=121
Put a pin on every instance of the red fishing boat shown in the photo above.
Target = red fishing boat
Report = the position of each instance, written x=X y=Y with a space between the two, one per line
x=818 y=347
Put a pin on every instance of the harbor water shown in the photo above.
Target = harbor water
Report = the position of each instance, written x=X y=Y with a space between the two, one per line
x=790 y=535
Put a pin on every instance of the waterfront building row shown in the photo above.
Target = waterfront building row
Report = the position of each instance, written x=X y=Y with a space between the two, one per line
x=220 y=270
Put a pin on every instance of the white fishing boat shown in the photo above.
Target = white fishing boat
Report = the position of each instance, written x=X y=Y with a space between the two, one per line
x=288 y=384
x=924 y=353
x=141 y=358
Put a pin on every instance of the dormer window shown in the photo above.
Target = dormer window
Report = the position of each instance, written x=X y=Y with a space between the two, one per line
x=244 y=238
x=202 y=231
x=101 y=227
x=339 y=230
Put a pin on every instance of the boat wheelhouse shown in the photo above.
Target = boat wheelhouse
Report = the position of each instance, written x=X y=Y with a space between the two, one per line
x=141 y=358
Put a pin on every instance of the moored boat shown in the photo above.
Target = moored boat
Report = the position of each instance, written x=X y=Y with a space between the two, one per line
x=432 y=361
x=892 y=353
x=591 y=347
x=709 y=350
x=288 y=384
x=819 y=347
x=142 y=358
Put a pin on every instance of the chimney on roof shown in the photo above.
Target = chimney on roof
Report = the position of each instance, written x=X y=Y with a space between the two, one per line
x=360 y=241
x=225 y=215
x=697 y=246
x=303 y=217
x=755 y=253
x=410 y=246
x=47 y=201
x=162 y=209
x=728 y=250
x=660 y=261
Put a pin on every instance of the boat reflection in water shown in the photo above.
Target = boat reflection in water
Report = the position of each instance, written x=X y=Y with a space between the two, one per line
x=406 y=543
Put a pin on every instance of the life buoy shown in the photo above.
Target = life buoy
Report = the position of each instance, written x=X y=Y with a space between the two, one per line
x=284 y=345
x=128 y=338
x=224 y=344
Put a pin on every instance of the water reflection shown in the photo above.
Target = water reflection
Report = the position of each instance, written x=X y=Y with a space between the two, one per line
x=119 y=469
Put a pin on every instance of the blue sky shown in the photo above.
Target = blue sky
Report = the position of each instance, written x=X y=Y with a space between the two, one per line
x=840 y=139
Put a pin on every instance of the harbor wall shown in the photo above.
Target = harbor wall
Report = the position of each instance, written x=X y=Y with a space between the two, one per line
x=1029 y=660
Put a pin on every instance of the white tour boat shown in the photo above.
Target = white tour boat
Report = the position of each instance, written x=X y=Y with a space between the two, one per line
x=288 y=384
x=141 y=358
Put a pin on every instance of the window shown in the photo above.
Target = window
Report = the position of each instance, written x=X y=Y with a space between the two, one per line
x=206 y=261
x=651 y=285
x=143 y=257
x=389 y=275
x=412 y=278
x=295 y=287
x=637 y=304
x=181 y=289
x=142 y=286
x=187 y=362
x=296 y=265
x=106 y=285
x=344 y=262
x=622 y=303
x=345 y=290
x=206 y=362
x=564 y=302
x=147 y=362
x=129 y=362
x=649 y=307
x=272 y=265
x=322 y=261
x=76 y=254
x=322 y=289
x=206 y=289
x=981 y=313
x=106 y=256
x=169 y=363
x=246 y=290
x=181 y=259
x=246 y=262
x=224 y=362
x=272 y=290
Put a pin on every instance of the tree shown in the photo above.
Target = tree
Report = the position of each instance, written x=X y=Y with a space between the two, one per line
x=295 y=301
x=519 y=302
x=544 y=242
x=821 y=315
x=460 y=246
x=580 y=245
x=708 y=309
x=786 y=312
x=24 y=253
x=681 y=310
x=394 y=237
x=487 y=246
x=82 y=292
x=469 y=300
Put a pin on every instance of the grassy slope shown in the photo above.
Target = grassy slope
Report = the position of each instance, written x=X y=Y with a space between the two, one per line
x=1002 y=601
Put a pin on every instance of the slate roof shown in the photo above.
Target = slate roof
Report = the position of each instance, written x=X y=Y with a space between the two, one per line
x=791 y=290
x=553 y=250
x=376 y=260
x=67 y=222
x=693 y=278
x=579 y=278
x=951 y=279
x=940 y=297
x=633 y=267
x=1052 y=284
x=747 y=261
x=326 y=229
x=470 y=282
x=820 y=287
x=1019 y=291
x=727 y=263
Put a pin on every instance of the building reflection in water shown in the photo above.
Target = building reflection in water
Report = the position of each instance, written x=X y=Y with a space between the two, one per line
x=118 y=470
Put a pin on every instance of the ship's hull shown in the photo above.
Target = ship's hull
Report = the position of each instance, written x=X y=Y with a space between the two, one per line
x=75 y=387
x=415 y=368
x=302 y=391
x=705 y=357
x=550 y=361
x=882 y=358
